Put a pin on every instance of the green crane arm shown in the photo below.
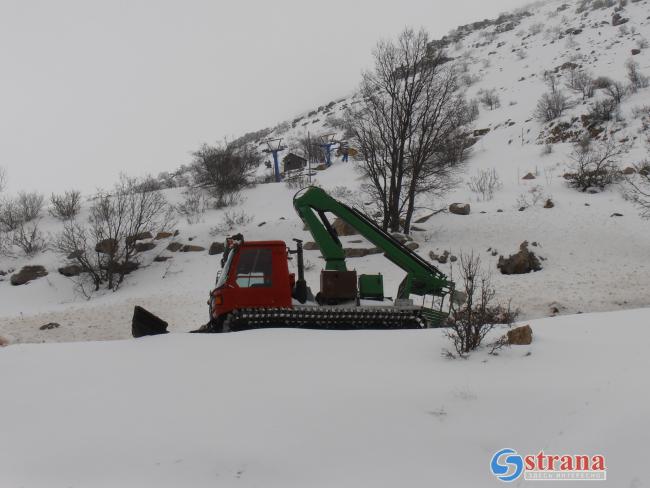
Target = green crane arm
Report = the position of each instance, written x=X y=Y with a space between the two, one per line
x=422 y=277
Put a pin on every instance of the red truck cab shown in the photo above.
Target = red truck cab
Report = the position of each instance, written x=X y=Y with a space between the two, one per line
x=254 y=275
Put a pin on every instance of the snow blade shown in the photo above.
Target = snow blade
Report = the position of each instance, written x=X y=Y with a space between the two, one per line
x=145 y=323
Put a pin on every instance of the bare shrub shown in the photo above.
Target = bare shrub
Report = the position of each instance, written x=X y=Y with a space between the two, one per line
x=642 y=43
x=296 y=181
x=638 y=188
x=29 y=238
x=66 y=206
x=472 y=321
x=551 y=106
x=547 y=149
x=223 y=171
x=534 y=197
x=603 y=110
x=596 y=166
x=3 y=179
x=602 y=82
x=581 y=81
x=10 y=215
x=489 y=98
x=637 y=79
x=231 y=221
x=193 y=206
x=105 y=247
x=30 y=205
x=485 y=182
x=616 y=91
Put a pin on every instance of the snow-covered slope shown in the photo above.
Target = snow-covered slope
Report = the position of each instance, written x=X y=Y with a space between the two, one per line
x=593 y=261
x=282 y=408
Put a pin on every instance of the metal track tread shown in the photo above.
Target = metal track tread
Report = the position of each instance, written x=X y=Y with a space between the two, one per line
x=326 y=318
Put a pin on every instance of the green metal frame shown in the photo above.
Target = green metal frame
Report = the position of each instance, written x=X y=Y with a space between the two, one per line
x=422 y=277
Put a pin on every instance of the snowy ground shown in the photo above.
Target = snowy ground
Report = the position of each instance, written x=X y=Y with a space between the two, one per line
x=285 y=408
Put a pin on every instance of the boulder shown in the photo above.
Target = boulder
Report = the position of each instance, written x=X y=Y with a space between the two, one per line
x=522 y=262
x=161 y=259
x=174 y=246
x=27 y=274
x=442 y=259
x=216 y=248
x=342 y=228
x=310 y=246
x=163 y=235
x=402 y=238
x=107 y=246
x=617 y=215
x=261 y=224
x=191 y=248
x=50 y=326
x=459 y=208
x=139 y=237
x=3 y=342
x=126 y=267
x=144 y=246
x=529 y=176
x=413 y=246
x=520 y=336
x=549 y=203
x=70 y=270
x=636 y=51
x=629 y=170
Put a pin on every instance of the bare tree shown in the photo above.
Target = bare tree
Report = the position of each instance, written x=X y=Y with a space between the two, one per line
x=66 y=206
x=224 y=170
x=411 y=110
x=581 y=81
x=485 y=182
x=29 y=238
x=596 y=165
x=616 y=91
x=489 y=98
x=105 y=248
x=471 y=322
x=637 y=79
x=551 y=106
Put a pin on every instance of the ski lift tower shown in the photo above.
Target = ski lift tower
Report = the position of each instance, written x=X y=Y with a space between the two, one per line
x=274 y=146
x=326 y=142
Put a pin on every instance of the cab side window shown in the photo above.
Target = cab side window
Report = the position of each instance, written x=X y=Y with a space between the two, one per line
x=255 y=268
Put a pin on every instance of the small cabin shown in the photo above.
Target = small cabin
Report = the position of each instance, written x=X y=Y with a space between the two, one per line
x=293 y=162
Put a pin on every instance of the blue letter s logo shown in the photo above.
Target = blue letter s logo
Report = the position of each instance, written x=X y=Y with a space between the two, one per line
x=513 y=464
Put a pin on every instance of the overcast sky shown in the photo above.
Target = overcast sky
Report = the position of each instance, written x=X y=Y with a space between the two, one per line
x=91 y=88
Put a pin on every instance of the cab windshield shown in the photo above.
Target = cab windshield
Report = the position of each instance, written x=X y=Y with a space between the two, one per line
x=225 y=270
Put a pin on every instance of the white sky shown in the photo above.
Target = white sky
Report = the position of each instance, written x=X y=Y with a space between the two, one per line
x=91 y=88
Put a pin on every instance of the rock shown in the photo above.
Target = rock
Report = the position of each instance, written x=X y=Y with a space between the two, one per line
x=310 y=246
x=127 y=267
x=459 y=208
x=70 y=270
x=549 y=203
x=50 y=326
x=417 y=229
x=522 y=262
x=442 y=259
x=3 y=342
x=163 y=235
x=191 y=248
x=355 y=252
x=261 y=224
x=27 y=274
x=413 y=246
x=161 y=259
x=616 y=215
x=174 y=246
x=500 y=211
x=107 y=246
x=481 y=132
x=629 y=170
x=342 y=228
x=144 y=246
x=453 y=259
x=459 y=297
x=636 y=51
x=529 y=176
x=216 y=248
x=374 y=250
x=139 y=237
x=520 y=336
x=401 y=238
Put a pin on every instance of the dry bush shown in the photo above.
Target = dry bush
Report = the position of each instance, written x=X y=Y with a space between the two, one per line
x=66 y=206
x=637 y=79
x=29 y=238
x=485 y=182
x=551 y=106
x=469 y=323
x=603 y=111
x=616 y=91
x=296 y=181
x=193 y=206
x=532 y=198
x=489 y=98
x=10 y=215
x=596 y=165
x=231 y=221
x=105 y=247
x=30 y=205
x=582 y=82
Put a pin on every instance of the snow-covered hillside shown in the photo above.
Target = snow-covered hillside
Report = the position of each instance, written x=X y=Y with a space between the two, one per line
x=593 y=261
x=320 y=409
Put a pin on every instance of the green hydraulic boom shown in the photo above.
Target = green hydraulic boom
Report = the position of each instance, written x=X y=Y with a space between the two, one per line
x=422 y=277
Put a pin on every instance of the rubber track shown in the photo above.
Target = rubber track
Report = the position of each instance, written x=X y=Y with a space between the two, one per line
x=326 y=318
